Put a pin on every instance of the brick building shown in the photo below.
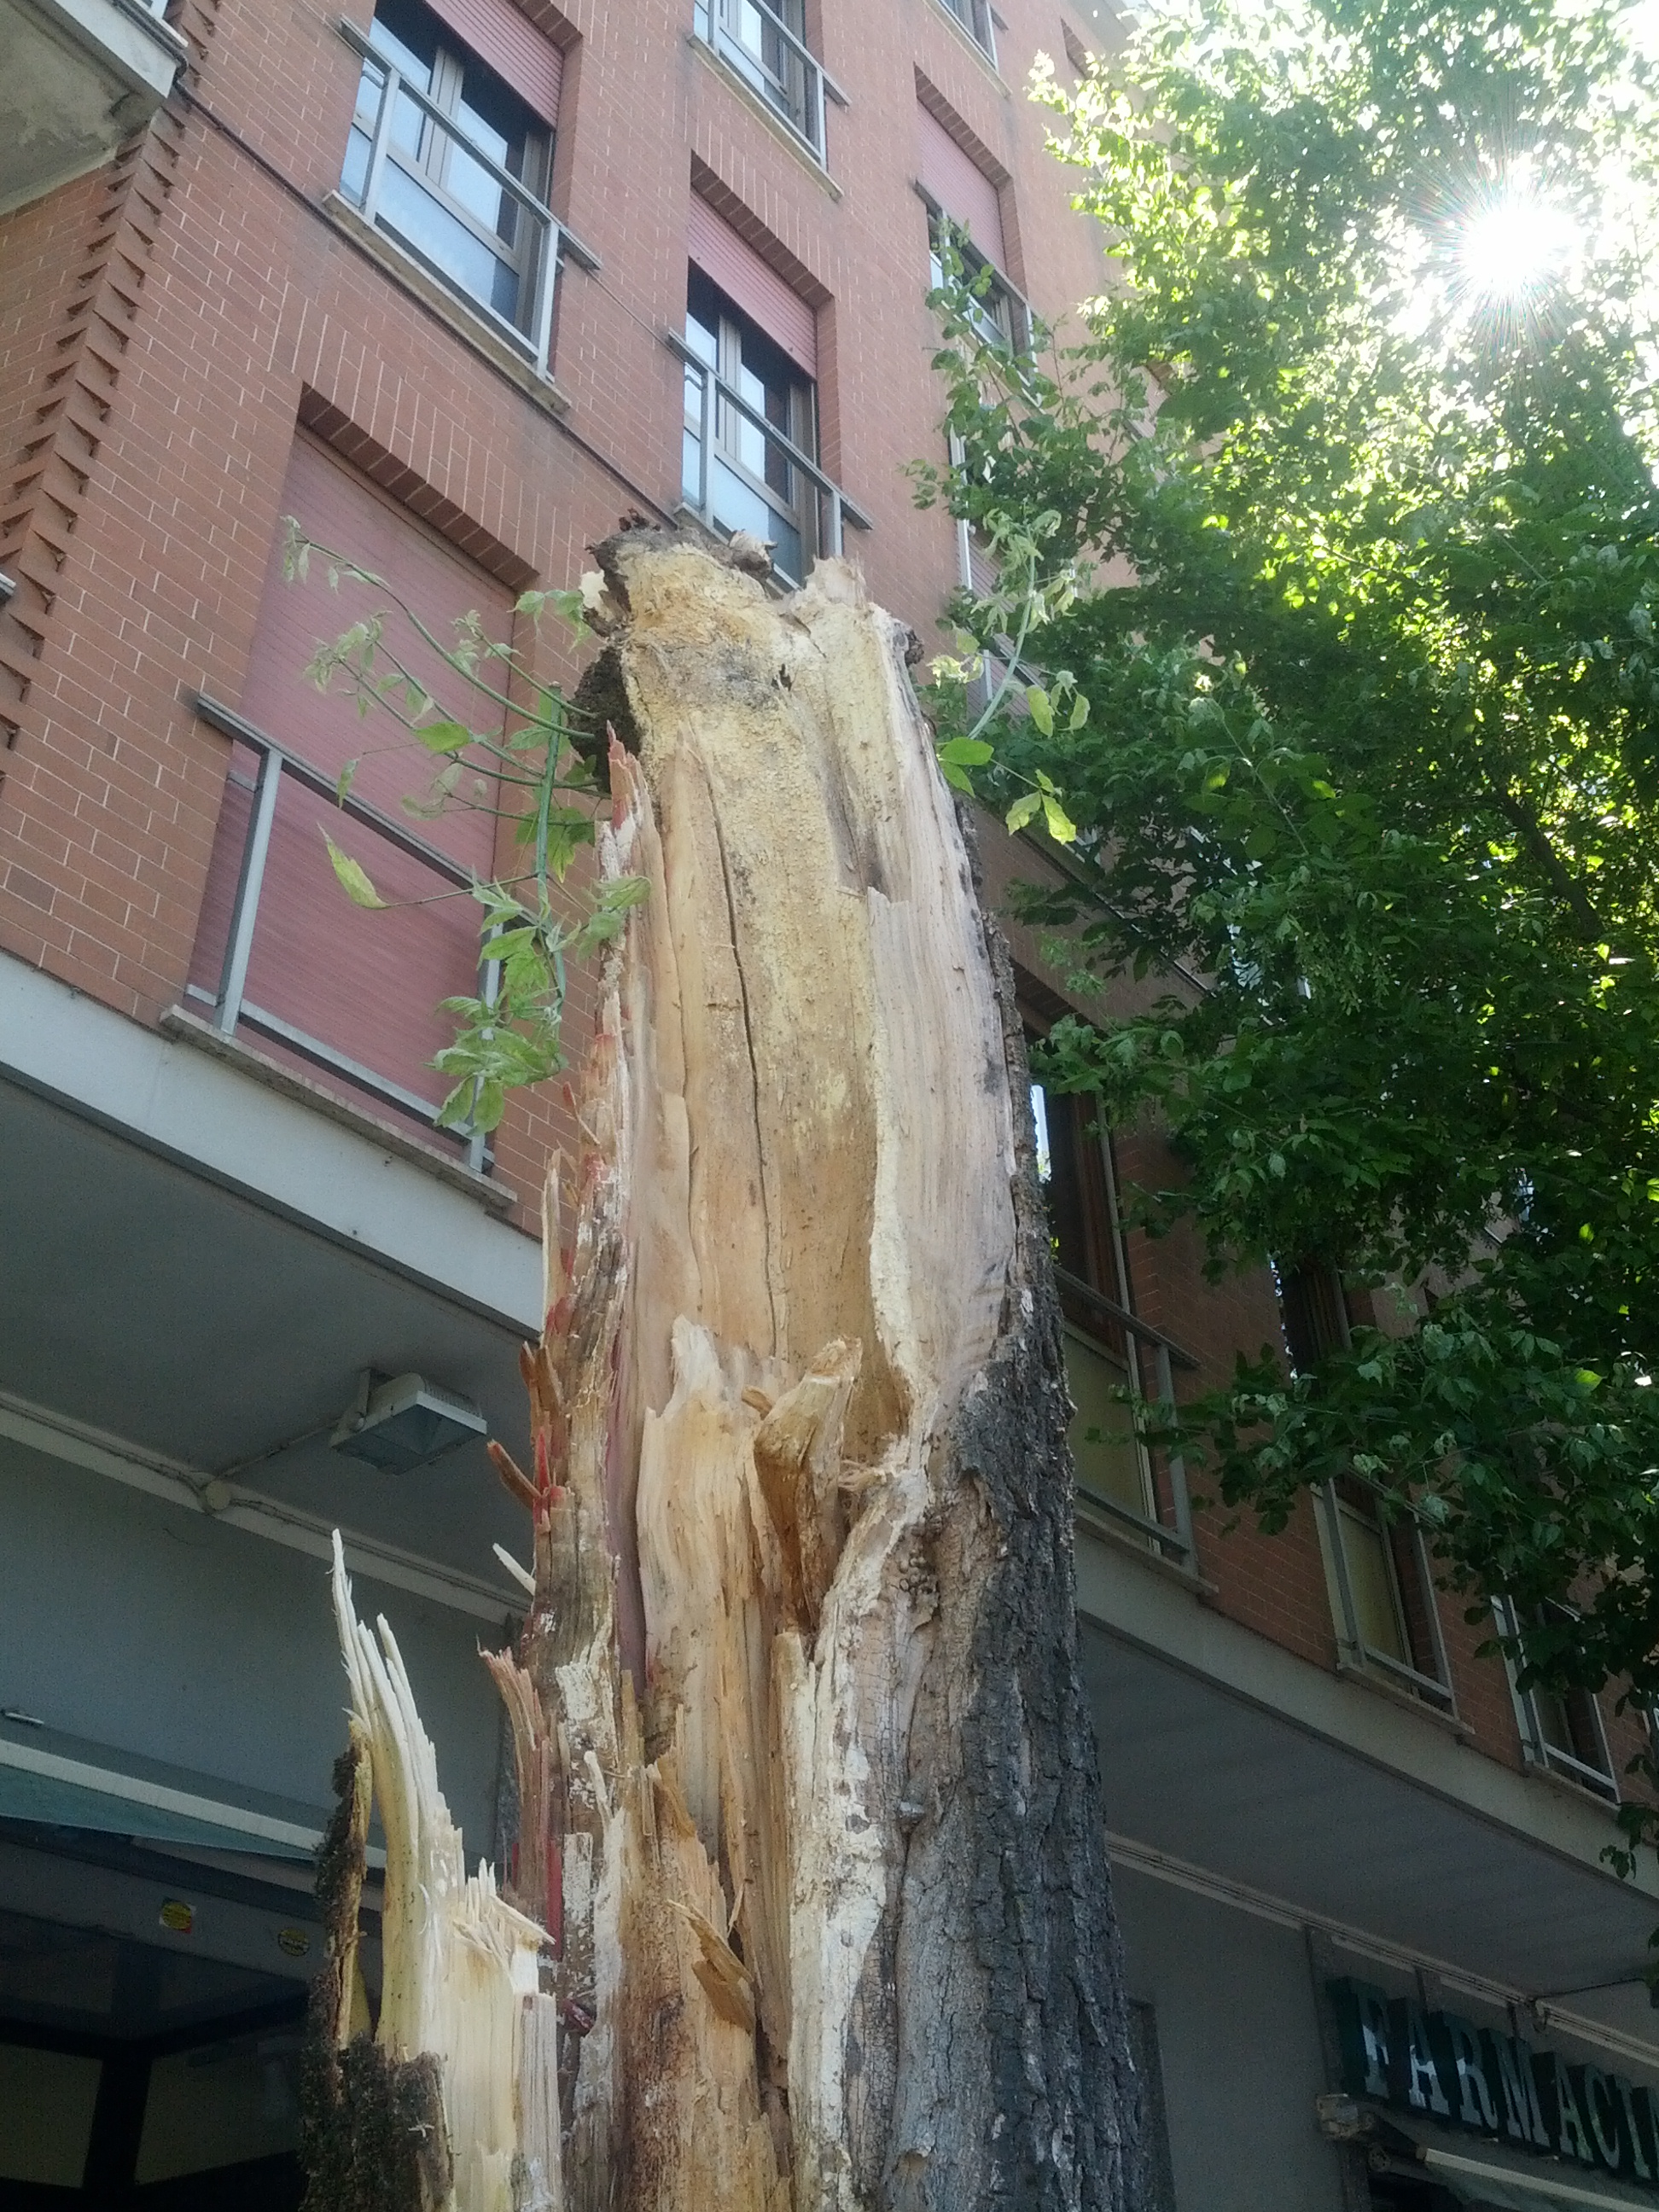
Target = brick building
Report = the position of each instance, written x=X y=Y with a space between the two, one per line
x=457 y=285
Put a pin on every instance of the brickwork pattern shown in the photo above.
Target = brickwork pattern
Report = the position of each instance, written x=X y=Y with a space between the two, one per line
x=167 y=323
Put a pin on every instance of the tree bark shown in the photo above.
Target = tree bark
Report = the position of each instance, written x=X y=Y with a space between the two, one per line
x=811 y=1911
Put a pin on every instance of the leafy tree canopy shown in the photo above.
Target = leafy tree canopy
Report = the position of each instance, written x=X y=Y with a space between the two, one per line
x=1351 y=547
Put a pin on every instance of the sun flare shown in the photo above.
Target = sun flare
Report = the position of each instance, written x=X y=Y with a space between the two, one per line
x=1512 y=248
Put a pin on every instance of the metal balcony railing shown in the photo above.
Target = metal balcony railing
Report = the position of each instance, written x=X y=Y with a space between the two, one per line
x=232 y=1009
x=1172 y=1539
x=534 y=258
x=779 y=65
x=827 y=510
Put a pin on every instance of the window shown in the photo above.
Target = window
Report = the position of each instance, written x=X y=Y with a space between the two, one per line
x=975 y=16
x=1377 y=1565
x=1076 y=52
x=1105 y=1343
x=448 y=162
x=1313 y=1311
x=1382 y=1592
x=751 y=422
x=766 y=45
x=283 y=960
x=963 y=200
x=1561 y=1731
x=996 y=313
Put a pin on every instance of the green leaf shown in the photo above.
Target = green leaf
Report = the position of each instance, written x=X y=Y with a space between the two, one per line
x=1040 y=709
x=446 y=737
x=344 y=781
x=1025 y=810
x=1079 y=713
x=353 y=880
x=965 y=752
x=1061 y=828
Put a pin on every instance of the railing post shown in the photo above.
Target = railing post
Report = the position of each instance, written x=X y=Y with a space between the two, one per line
x=704 y=441
x=820 y=141
x=1350 y=1636
x=1426 y=1586
x=548 y=278
x=233 y=979
x=834 y=522
x=1180 y=1504
x=478 y=1142
x=382 y=138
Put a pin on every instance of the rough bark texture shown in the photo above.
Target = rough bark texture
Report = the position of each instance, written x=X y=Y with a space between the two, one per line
x=811 y=1832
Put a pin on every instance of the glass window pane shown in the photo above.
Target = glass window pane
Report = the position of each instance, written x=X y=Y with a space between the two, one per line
x=1371 y=1579
x=472 y=113
x=355 y=174
x=738 y=506
x=1567 y=1721
x=371 y=83
x=1101 y=1434
x=1554 y=1725
x=46 y=2101
x=408 y=37
x=410 y=128
x=411 y=212
x=220 y=2106
x=471 y=186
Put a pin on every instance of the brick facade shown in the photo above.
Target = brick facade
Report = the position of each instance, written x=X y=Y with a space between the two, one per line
x=170 y=324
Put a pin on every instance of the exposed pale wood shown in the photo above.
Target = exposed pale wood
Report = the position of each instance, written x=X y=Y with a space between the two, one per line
x=457 y=1961
x=810 y=1833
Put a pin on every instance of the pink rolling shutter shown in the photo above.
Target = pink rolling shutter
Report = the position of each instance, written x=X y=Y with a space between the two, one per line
x=511 y=44
x=753 y=285
x=963 y=190
x=367 y=984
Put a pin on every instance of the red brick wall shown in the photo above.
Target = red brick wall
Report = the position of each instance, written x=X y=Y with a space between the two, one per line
x=164 y=323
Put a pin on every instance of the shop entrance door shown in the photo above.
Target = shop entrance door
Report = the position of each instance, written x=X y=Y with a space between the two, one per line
x=148 y=2047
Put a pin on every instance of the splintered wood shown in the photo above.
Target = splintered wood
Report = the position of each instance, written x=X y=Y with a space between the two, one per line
x=775 y=1274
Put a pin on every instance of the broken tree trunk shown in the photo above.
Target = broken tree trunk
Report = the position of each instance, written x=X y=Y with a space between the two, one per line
x=810 y=1838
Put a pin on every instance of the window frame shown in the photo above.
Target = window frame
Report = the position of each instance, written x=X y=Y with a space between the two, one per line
x=713 y=28
x=975 y=16
x=1117 y=1337
x=797 y=441
x=1014 y=335
x=1434 y=1689
x=537 y=257
x=1540 y=1753
x=1313 y=1306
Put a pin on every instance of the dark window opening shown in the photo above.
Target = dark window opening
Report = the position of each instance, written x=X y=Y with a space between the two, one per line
x=1561 y=1730
x=1079 y=1182
x=749 y=478
x=446 y=159
x=997 y=314
x=765 y=42
x=1313 y=1311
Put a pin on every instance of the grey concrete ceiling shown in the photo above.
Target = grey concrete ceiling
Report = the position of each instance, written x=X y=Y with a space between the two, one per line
x=79 y=76
x=1224 y=1784
x=187 y=1319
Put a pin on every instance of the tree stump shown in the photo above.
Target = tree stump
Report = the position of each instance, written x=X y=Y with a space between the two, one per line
x=811 y=1909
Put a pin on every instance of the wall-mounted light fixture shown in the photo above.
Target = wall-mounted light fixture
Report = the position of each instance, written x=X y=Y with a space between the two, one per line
x=405 y=1422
